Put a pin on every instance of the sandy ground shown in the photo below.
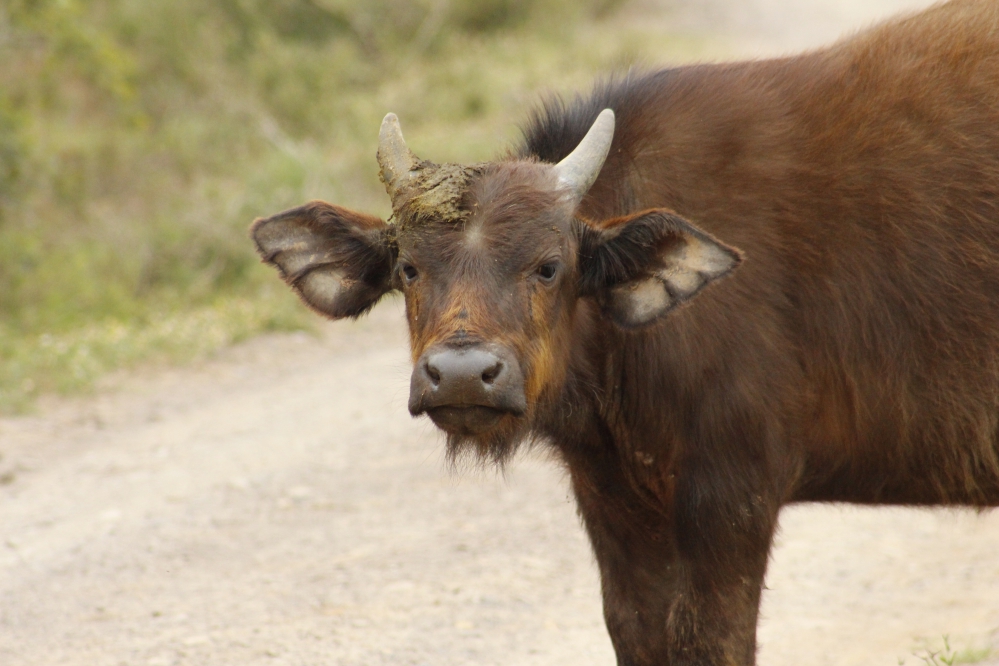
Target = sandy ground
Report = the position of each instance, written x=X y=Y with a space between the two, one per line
x=277 y=505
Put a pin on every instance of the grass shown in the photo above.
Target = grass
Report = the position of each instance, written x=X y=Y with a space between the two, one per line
x=944 y=654
x=71 y=361
x=138 y=139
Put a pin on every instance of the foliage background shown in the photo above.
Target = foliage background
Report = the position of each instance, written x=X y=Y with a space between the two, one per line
x=139 y=138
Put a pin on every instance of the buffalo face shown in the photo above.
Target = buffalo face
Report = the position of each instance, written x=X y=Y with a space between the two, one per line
x=494 y=261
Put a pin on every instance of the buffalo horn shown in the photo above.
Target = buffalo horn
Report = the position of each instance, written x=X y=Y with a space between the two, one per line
x=579 y=169
x=394 y=158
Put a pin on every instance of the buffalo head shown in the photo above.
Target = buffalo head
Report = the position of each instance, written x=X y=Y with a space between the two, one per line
x=497 y=266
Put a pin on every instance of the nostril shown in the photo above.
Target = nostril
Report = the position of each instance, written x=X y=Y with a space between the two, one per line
x=490 y=374
x=434 y=374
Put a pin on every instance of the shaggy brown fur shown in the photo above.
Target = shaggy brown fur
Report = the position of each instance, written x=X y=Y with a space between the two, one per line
x=852 y=355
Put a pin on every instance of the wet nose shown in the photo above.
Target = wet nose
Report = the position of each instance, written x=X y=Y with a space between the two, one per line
x=476 y=376
x=462 y=371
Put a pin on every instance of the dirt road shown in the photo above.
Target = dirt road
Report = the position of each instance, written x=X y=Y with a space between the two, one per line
x=277 y=505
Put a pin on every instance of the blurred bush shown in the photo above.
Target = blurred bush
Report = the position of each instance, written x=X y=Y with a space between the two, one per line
x=139 y=138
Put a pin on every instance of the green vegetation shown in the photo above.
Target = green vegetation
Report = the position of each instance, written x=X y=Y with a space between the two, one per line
x=946 y=655
x=138 y=139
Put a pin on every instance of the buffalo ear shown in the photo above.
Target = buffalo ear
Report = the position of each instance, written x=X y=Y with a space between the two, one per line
x=338 y=261
x=640 y=267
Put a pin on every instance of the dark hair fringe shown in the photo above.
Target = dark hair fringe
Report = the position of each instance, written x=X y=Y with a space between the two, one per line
x=556 y=126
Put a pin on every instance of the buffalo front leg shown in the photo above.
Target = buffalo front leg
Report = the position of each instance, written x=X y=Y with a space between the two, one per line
x=681 y=581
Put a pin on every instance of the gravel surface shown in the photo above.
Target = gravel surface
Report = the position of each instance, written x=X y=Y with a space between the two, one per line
x=277 y=505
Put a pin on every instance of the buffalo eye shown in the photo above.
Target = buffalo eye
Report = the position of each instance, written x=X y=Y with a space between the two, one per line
x=546 y=272
x=408 y=272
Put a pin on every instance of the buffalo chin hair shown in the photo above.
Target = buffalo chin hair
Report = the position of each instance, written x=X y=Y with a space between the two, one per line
x=492 y=448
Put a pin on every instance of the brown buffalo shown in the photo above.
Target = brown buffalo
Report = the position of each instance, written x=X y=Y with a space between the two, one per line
x=712 y=290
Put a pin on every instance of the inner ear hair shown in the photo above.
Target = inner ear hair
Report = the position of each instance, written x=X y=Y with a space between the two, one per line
x=623 y=248
x=345 y=236
x=339 y=261
x=655 y=252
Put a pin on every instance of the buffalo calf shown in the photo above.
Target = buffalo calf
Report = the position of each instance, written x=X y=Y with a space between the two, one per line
x=712 y=290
